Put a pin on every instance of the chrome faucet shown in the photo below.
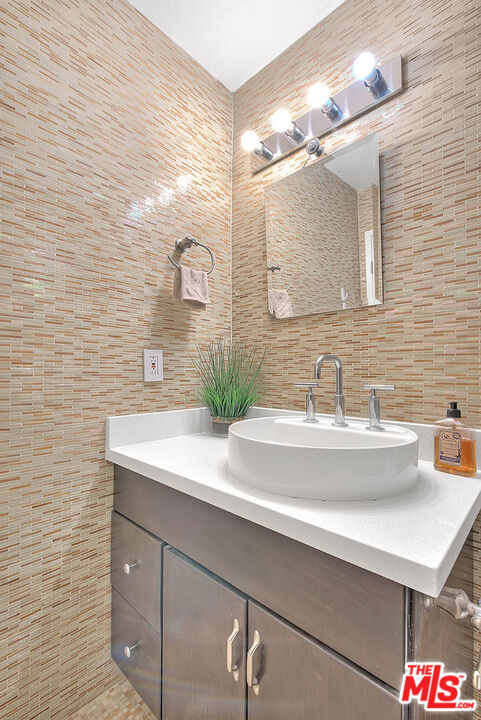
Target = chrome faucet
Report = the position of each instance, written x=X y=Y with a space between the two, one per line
x=375 y=407
x=339 y=397
x=310 y=400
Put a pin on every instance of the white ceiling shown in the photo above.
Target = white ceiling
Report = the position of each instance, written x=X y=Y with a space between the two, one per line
x=233 y=39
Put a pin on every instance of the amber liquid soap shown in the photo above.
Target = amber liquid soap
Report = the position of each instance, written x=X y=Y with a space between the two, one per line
x=454 y=446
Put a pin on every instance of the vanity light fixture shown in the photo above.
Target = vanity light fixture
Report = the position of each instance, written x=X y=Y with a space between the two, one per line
x=251 y=143
x=319 y=96
x=314 y=147
x=364 y=68
x=281 y=122
x=327 y=111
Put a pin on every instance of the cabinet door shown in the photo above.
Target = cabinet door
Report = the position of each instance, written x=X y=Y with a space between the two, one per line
x=204 y=621
x=291 y=676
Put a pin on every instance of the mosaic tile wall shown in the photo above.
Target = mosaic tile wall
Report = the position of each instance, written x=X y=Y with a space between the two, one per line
x=304 y=244
x=427 y=336
x=101 y=114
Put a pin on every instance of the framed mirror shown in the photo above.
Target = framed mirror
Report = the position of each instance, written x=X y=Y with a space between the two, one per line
x=323 y=234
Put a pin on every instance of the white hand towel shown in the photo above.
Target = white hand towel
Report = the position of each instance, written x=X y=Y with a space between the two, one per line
x=279 y=304
x=191 y=287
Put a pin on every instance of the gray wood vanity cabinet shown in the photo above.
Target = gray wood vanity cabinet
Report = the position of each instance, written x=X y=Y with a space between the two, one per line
x=214 y=616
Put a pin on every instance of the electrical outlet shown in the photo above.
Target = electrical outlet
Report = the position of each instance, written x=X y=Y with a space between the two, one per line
x=153 y=366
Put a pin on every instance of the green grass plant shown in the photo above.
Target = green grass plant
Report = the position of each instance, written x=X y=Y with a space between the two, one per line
x=230 y=375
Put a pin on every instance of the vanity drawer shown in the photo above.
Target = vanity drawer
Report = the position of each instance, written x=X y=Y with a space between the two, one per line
x=135 y=572
x=136 y=648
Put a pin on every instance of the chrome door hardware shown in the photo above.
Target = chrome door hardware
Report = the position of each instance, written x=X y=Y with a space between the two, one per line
x=128 y=567
x=457 y=603
x=375 y=407
x=234 y=650
x=254 y=662
x=310 y=400
x=129 y=649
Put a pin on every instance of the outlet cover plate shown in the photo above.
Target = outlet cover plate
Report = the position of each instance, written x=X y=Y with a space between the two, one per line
x=153 y=366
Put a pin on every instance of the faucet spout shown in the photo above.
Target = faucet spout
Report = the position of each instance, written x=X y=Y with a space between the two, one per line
x=339 y=418
x=338 y=364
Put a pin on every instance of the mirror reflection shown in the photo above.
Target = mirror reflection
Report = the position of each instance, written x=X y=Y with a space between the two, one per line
x=323 y=234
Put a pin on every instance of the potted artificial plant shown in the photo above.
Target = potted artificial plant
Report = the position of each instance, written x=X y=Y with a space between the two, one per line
x=230 y=381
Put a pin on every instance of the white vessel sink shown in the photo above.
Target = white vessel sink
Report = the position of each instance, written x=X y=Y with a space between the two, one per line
x=319 y=460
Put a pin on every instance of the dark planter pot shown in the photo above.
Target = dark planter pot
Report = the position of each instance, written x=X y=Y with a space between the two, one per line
x=220 y=426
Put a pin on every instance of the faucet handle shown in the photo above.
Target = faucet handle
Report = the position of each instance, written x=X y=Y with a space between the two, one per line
x=375 y=407
x=310 y=399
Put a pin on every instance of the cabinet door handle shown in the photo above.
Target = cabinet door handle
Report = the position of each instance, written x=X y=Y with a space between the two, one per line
x=234 y=650
x=254 y=659
x=129 y=649
x=128 y=567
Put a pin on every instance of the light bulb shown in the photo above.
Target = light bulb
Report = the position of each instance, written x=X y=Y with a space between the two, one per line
x=363 y=65
x=250 y=141
x=281 y=121
x=319 y=95
x=364 y=68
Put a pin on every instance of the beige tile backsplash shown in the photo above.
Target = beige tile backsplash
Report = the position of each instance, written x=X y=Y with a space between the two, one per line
x=100 y=115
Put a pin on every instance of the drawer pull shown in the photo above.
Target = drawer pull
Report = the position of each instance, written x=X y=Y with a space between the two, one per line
x=234 y=650
x=128 y=567
x=254 y=660
x=129 y=649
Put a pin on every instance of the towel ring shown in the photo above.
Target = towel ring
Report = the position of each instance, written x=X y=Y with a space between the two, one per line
x=183 y=245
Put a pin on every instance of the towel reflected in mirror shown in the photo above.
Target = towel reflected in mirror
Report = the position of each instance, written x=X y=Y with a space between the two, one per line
x=279 y=303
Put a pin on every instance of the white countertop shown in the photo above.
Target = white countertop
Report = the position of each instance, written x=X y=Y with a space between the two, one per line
x=413 y=539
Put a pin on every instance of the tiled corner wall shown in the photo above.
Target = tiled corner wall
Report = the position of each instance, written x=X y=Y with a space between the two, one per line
x=100 y=115
x=427 y=336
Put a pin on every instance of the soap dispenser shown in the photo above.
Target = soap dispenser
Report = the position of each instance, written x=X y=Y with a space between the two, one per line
x=454 y=445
